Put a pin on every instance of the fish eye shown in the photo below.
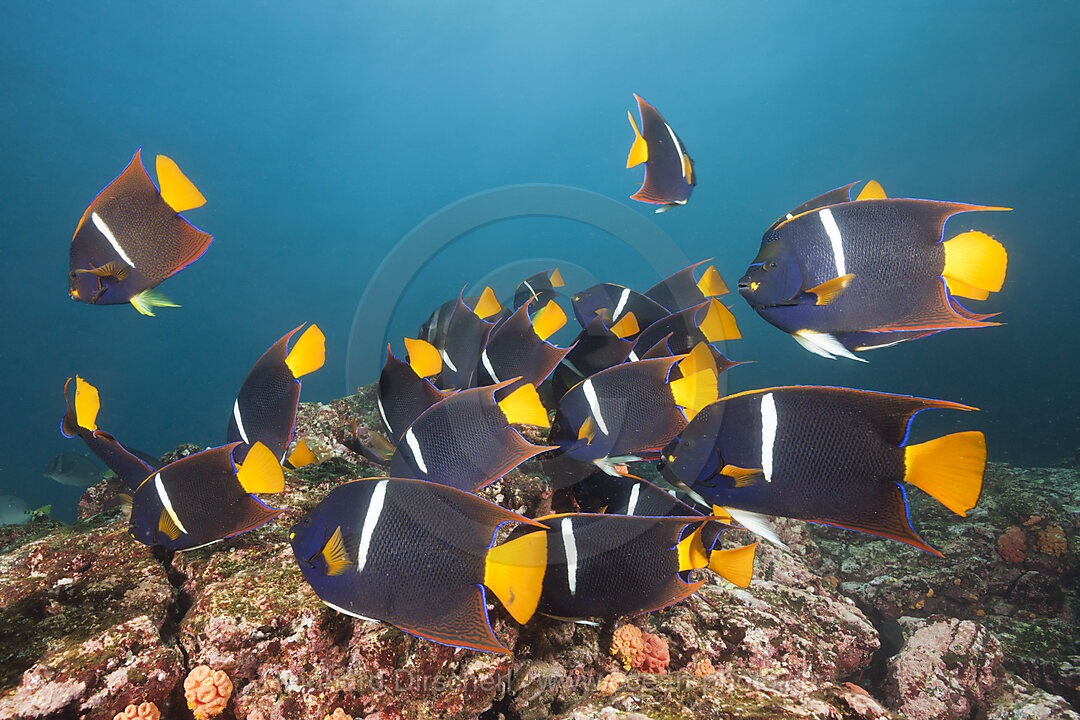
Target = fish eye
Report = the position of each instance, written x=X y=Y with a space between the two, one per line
x=771 y=265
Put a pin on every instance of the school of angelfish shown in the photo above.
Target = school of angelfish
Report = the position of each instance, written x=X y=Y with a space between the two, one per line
x=420 y=550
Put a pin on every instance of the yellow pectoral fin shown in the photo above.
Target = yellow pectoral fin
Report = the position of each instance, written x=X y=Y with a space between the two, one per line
x=587 y=431
x=742 y=476
x=719 y=323
x=308 y=354
x=949 y=468
x=692 y=553
x=167 y=526
x=735 y=565
x=872 y=191
x=176 y=189
x=828 y=291
x=109 y=270
x=711 y=284
x=260 y=471
x=423 y=357
x=335 y=554
x=301 y=455
x=975 y=259
x=627 y=326
x=687 y=169
x=639 y=151
x=548 y=321
x=515 y=573
x=523 y=406
x=147 y=300
x=488 y=304
x=87 y=404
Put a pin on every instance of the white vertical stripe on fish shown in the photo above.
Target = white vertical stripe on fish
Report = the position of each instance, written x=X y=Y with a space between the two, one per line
x=164 y=497
x=623 y=297
x=371 y=519
x=414 y=447
x=833 y=231
x=768 y=434
x=239 y=422
x=594 y=404
x=570 y=548
x=104 y=230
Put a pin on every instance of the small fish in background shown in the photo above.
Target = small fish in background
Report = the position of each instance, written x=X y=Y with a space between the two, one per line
x=518 y=347
x=205 y=498
x=834 y=456
x=74 y=469
x=465 y=440
x=131 y=466
x=680 y=290
x=14 y=510
x=460 y=334
x=613 y=302
x=631 y=411
x=265 y=407
x=611 y=565
x=421 y=557
x=708 y=322
x=132 y=237
x=669 y=171
x=596 y=348
x=538 y=290
x=857 y=275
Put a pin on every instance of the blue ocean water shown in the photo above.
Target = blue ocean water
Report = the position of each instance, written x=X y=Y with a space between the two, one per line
x=321 y=134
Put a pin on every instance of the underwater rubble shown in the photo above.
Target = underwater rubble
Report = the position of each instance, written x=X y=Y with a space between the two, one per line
x=839 y=626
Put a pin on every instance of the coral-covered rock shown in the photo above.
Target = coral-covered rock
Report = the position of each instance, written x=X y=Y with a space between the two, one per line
x=207 y=691
x=142 y=711
x=1012 y=545
x=654 y=656
x=627 y=644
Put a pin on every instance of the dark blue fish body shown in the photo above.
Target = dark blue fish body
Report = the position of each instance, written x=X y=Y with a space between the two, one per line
x=612 y=303
x=596 y=348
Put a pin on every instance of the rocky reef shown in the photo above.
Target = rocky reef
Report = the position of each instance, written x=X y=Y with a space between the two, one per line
x=838 y=626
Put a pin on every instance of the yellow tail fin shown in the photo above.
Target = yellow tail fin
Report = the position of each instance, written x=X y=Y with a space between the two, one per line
x=87 y=404
x=711 y=284
x=488 y=304
x=260 y=471
x=735 y=565
x=308 y=354
x=556 y=278
x=719 y=323
x=627 y=326
x=523 y=406
x=515 y=573
x=176 y=189
x=872 y=191
x=548 y=321
x=639 y=151
x=301 y=455
x=974 y=260
x=423 y=357
x=949 y=468
x=697 y=360
x=691 y=552
x=694 y=392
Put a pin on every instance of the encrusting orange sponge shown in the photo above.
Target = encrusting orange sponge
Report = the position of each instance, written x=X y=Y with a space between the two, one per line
x=207 y=691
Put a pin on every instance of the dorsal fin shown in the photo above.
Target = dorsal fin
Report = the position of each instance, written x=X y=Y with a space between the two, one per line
x=872 y=191
x=176 y=189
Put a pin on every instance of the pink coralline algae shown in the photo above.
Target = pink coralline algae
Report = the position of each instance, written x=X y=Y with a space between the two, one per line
x=338 y=714
x=654 y=657
x=145 y=711
x=1012 y=545
x=207 y=691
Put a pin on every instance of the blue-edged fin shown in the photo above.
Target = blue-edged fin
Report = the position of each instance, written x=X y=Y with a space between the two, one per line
x=719 y=323
x=828 y=291
x=335 y=555
x=488 y=304
x=301 y=455
x=424 y=358
x=176 y=189
x=523 y=406
x=147 y=300
x=872 y=191
x=514 y=571
x=639 y=151
x=87 y=404
x=711 y=284
x=549 y=320
x=308 y=354
x=736 y=565
x=260 y=471
x=975 y=265
x=949 y=469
